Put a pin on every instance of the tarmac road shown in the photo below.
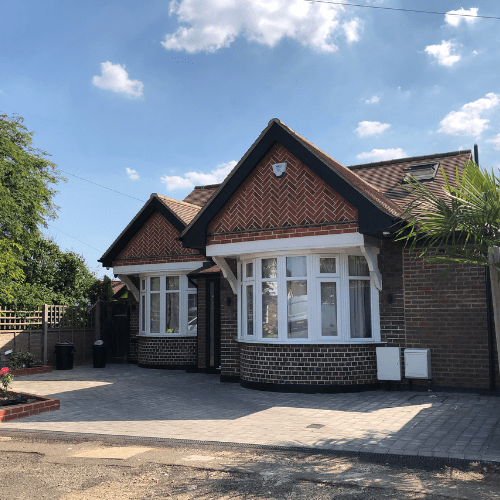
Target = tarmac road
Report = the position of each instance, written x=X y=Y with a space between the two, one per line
x=69 y=467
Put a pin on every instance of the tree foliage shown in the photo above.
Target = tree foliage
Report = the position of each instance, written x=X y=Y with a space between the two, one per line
x=464 y=223
x=33 y=270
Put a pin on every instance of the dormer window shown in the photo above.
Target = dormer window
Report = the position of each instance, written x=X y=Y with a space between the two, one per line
x=424 y=172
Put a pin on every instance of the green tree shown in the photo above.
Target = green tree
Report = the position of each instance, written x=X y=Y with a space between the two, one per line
x=33 y=270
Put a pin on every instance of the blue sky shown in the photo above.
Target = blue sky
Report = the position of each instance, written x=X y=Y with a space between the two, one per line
x=159 y=96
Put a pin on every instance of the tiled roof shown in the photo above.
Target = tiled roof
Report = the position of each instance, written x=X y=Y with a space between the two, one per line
x=185 y=211
x=387 y=176
x=117 y=285
x=201 y=194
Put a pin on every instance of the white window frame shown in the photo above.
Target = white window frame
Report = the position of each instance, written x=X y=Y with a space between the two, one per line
x=184 y=292
x=314 y=279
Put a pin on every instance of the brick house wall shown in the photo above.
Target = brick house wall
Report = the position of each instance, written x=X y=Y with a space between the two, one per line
x=202 y=322
x=392 y=305
x=298 y=204
x=230 y=347
x=447 y=313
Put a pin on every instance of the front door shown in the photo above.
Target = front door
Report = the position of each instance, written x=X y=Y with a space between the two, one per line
x=213 y=325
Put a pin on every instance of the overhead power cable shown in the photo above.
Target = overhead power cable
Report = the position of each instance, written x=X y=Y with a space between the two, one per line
x=61 y=231
x=100 y=185
x=402 y=10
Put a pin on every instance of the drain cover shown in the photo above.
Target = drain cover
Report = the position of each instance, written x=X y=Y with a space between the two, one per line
x=315 y=426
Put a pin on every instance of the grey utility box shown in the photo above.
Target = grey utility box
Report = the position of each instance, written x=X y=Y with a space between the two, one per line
x=418 y=363
x=388 y=363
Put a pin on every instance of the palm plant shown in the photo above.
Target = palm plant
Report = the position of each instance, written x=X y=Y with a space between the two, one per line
x=464 y=225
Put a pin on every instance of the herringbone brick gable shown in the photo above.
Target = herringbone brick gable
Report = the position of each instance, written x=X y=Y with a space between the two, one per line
x=157 y=237
x=298 y=198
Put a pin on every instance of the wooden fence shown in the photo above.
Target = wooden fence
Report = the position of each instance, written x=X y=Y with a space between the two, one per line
x=38 y=331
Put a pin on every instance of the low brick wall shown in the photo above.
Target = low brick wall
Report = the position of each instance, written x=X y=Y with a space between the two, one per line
x=19 y=411
x=306 y=364
x=167 y=352
x=31 y=371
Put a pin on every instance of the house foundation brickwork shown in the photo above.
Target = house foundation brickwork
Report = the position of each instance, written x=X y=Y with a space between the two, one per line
x=167 y=352
x=306 y=364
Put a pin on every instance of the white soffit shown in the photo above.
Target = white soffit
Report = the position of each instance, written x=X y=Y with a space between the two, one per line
x=283 y=244
x=159 y=268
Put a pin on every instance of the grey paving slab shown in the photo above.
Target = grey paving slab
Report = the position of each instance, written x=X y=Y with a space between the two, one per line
x=127 y=400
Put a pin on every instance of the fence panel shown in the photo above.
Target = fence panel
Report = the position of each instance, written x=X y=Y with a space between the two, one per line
x=23 y=331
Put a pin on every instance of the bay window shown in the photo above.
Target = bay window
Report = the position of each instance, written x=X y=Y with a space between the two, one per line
x=168 y=306
x=312 y=298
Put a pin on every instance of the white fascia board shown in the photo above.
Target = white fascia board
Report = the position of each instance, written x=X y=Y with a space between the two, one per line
x=284 y=244
x=159 y=268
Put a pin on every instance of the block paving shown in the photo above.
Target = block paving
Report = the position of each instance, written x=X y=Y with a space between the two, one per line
x=126 y=400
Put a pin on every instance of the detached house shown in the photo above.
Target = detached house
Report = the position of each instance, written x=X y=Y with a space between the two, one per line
x=287 y=276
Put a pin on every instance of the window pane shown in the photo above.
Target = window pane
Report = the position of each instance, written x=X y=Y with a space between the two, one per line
x=172 y=316
x=143 y=313
x=269 y=268
x=192 y=313
x=329 y=309
x=143 y=285
x=327 y=265
x=359 y=302
x=270 y=309
x=296 y=267
x=358 y=266
x=250 y=310
x=155 y=312
x=249 y=270
x=154 y=284
x=172 y=282
x=297 y=309
x=191 y=285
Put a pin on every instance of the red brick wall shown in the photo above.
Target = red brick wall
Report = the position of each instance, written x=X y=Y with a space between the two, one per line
x=299 y=198
x=230 y=347
x=308 y=364
x=167 y=351
x=202 y=322
x=448 y=315
x=392 y=314
x=156 y=243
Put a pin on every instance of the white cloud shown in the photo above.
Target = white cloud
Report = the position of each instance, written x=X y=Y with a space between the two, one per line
x=455 y=17
x=373 y=100
x=351 y=30
x=115 y=78
x=496 y=142
x=192 y=179
x=371 y=128
x=467 y=120
x=443 y=53
x=132 y=174
x=209 y=25
x=383 y=154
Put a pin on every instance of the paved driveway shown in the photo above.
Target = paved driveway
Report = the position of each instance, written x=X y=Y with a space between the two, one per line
x=125 y=400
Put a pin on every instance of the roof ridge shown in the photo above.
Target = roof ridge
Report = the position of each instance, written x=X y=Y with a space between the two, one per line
x=408 y=159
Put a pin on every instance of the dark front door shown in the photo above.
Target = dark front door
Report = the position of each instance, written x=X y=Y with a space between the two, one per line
x=213 y=325
x=115 y=330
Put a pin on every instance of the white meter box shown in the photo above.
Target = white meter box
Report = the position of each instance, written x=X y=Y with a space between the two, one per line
x=388 y=363
x=418 y=363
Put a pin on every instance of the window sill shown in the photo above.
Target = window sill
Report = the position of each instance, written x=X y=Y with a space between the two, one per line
x=311 y=342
